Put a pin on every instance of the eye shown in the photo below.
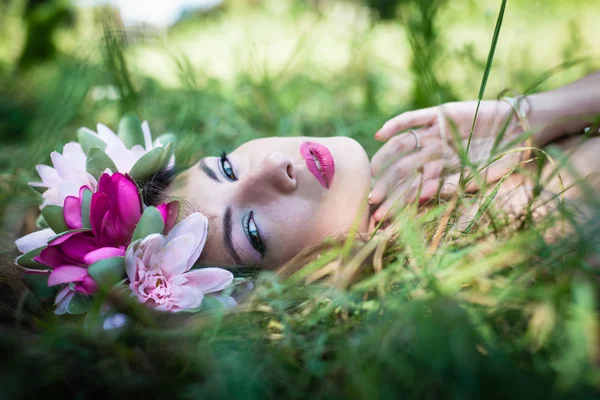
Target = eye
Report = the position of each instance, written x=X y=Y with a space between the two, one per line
x=253 y=235
x=226 y=167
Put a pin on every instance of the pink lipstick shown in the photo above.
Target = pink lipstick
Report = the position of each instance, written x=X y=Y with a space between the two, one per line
x=319 y=162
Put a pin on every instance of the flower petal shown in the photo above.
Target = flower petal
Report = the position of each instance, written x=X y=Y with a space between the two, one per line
x=64 y=236
x=129 y=203
x=106 y=185
x=78 y=246
x=66 y=189
x=74 y=153
x=72 y=212
x=106 y=134
x=176 y=257
x=61 y=294
x=48 y=174
x=169 y=212
x=185 y=298
x=53 y=257
x=34 y=240
x=102 y=253
x=197 y=224
x=139 y=254
x=65 y=168
x=147 y=136
x=98 y=209
x=66 y=274
x=62 y=305
x=209 y=279
x=226 y=301
x=87 y=286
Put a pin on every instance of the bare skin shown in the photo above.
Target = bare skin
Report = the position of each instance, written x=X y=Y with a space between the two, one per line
x=402 y=170
x=291 y=209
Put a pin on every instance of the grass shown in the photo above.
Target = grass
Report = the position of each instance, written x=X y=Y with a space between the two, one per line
x=427 y=311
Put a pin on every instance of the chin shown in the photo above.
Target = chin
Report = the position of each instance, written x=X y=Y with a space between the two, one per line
x=353 y=182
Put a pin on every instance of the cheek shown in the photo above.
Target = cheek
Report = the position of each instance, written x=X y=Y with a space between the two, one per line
x=292 y=224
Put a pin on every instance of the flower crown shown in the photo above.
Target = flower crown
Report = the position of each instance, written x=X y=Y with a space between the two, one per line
x=98 y=232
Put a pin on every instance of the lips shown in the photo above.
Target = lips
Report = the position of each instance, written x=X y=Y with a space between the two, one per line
x=319 y=162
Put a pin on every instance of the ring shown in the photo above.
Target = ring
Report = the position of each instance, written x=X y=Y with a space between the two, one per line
x=416 y=135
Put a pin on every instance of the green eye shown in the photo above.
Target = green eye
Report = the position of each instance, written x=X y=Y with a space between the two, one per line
x=227 y=168
x=253 y=235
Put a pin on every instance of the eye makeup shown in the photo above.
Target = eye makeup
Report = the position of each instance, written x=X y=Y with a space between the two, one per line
x=253 y=234
x=226 y=168
x=249 y=225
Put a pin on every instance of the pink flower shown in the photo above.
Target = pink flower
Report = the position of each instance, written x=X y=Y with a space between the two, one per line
x=159 y=268
x=67 y=176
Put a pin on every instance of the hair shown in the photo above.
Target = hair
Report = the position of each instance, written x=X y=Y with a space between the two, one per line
x=155 y=188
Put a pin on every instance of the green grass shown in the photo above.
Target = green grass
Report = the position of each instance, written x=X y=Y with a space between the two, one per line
x=428 y=312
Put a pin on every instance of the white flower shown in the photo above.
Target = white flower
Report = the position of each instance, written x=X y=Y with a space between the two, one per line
x=123 y=157
x=34 y=240
x=67 y=176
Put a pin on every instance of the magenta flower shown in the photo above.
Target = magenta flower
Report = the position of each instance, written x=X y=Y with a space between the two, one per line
x=114 y=212
x=70 y=254
x=159 y=268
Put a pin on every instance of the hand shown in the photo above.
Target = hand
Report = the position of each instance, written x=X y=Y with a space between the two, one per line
x=401 y=168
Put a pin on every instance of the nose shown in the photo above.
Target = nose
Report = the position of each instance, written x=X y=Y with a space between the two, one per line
x=274 y=175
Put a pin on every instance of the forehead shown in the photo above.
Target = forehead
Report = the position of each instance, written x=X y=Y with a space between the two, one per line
x=265 y=145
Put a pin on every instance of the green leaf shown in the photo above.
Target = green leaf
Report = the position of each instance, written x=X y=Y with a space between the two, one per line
x=166 y=139
x=108 y=271
x=151 y=222
x=38 y=284
x=79 y=304
x=130 y=130
x=40 y=222
x=209 y=303
x=98 y=161
x=54 y=217
x=86 y=203
x=167 y=152
x=88 y=139
x=26 y=260
x=149 y=164
x=39 y=189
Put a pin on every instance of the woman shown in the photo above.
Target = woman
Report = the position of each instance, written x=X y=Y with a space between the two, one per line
x=271 y=198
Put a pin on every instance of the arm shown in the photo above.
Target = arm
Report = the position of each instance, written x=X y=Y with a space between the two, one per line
x=564 y=111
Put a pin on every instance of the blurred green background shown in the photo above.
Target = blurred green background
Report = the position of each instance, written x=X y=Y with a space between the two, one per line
x=273 y=67
x=489 y=314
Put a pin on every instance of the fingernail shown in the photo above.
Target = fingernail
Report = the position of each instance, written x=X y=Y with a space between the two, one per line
x=369 y=198
x=423 y=200
x=377 y=135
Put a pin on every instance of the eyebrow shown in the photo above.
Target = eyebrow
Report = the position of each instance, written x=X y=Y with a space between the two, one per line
x=208 y=171
x=227 y=227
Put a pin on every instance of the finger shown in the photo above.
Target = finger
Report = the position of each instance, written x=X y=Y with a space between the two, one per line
x=399 y=146
x=403 y=169
x=445 y=187
x=407 y=120
x=400 y=196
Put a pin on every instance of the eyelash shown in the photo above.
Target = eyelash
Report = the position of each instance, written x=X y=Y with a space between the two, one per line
x=226 y=167
x=253 y=235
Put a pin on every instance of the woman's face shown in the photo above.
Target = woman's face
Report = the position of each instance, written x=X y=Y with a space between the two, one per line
x=273 y=197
